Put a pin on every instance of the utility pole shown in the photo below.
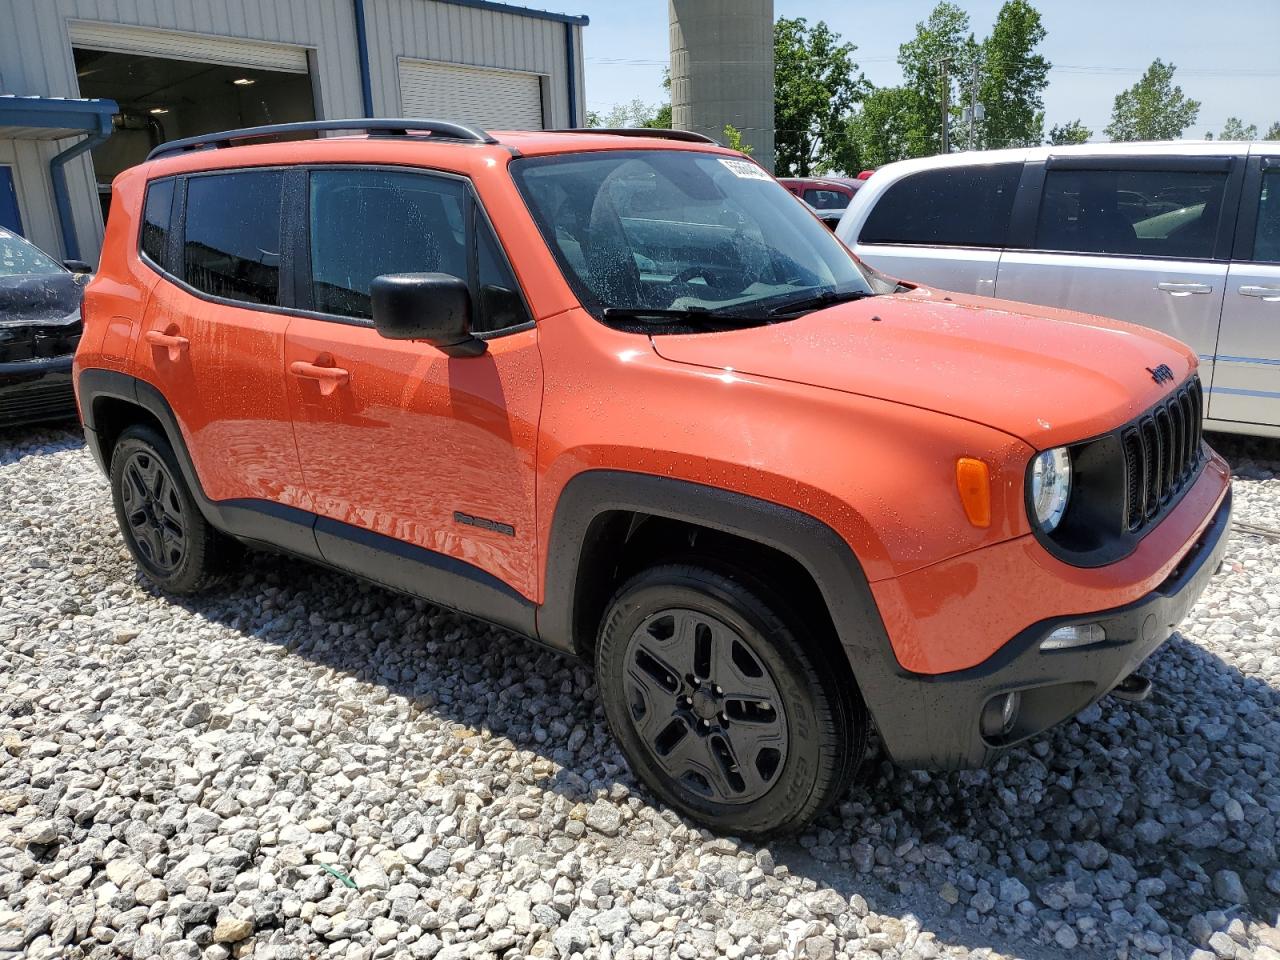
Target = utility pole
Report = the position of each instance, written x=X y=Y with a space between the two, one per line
x=946 y=106
x=973 y=109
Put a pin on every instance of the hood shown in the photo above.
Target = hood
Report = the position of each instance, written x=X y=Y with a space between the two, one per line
x=42 y=300
x=1044 y=375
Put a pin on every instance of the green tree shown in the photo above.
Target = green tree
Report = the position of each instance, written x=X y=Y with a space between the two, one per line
x=1273 y=132
x=1234 y=129
x=1066 y=134
x=1153 y=108
x=884 y=130
x=943 y=38
x=816 y=84
x=1012 y=79
x=733 y=140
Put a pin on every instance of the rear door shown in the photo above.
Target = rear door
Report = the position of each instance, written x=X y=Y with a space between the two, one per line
x=1139 y=239
x=212 y=341
x=944 y=227
x=1246 y=378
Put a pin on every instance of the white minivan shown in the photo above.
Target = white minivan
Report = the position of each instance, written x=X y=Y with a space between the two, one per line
x=1182 y=237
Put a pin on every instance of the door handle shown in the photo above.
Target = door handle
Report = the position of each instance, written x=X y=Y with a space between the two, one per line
x=1269 y=294
x=1179 y=289
x=330 y=378
x=175 y=344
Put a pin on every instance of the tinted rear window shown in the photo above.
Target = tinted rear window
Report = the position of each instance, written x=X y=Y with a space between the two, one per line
x=1151 y=213
x=155 y=222
x=955 y=206
x=232 y=244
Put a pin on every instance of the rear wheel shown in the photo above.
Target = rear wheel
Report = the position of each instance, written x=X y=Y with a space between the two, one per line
x=161 y=523
x=720 y=706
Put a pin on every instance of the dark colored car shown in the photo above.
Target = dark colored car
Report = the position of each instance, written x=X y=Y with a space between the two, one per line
x=39 y=331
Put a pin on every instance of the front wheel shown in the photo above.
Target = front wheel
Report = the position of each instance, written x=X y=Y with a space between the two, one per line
x=715 y=698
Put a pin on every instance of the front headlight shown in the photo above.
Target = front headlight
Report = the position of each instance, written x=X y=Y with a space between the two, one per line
x=1051 y=487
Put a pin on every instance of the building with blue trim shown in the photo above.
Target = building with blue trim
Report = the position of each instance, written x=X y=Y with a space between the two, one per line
x=88 y=87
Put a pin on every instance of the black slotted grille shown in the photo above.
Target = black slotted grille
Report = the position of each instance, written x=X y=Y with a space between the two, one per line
x=1161 y=453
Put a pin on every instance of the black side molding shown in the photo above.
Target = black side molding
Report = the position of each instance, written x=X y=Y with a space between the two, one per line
x=383 y=560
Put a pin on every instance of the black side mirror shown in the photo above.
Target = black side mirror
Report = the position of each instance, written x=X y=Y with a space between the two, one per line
x=435 y=307
x=77 y=266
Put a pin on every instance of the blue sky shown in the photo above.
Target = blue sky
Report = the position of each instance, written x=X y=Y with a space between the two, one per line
x=1225 y=50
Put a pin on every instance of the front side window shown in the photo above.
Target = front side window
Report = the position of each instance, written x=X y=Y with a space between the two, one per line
x=364 y=223
x=826 y=199
x=1146 y=213
x=681 y=231
x=231 y=247
x=18 y=258
x=500 y=303
x=1266 y=241
x=962 y=206
x=155 y=222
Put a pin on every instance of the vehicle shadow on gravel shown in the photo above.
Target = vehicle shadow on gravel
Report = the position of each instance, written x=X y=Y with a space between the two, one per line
x=1115 y=826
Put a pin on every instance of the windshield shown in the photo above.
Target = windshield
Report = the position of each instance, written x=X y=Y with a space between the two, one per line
x=671 y=230
x=18 y=258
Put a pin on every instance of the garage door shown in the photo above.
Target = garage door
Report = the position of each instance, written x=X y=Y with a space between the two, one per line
x=497 y=99
x=114 y=38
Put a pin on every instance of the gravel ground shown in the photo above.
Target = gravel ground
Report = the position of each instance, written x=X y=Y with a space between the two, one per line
x=298 y=765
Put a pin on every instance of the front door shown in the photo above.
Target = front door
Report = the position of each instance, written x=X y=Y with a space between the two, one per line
x=1138 y=240
x=1246 y=379
x=420 y=464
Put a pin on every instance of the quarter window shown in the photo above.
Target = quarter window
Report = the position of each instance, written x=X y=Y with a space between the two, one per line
x=231 y=247
x=1149 y=213
x=365 y=223
x=1266 y=242
x=500 y=303
x=155 y=222
x=952 y=207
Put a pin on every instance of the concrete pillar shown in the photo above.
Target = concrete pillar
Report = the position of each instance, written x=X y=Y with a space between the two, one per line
x=722 y=70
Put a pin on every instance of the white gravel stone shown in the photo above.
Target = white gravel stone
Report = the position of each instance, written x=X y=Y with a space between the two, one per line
x=299 y=765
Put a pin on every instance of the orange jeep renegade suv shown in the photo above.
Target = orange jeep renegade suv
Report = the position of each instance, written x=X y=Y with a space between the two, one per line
x=626 y=396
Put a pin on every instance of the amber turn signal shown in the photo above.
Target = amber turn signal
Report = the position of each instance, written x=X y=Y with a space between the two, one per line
x=973 y=480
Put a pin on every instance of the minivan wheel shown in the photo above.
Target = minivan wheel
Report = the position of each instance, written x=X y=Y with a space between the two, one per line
x=162 y=524
x=718 y=704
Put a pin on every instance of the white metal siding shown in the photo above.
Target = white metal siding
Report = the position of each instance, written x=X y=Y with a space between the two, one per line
x=498 y=99
x=230 y=51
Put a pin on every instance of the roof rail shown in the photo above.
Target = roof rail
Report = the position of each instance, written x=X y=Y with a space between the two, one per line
x=394 y=126
x=661 y=133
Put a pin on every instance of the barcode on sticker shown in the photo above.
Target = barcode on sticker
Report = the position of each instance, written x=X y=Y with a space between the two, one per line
x=745 y=169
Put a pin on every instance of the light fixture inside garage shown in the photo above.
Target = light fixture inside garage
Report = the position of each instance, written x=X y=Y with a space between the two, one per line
x=159 y=110
x=243 y=82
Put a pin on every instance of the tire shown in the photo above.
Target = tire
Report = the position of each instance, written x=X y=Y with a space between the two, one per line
x=171 y=541
x=676 y=644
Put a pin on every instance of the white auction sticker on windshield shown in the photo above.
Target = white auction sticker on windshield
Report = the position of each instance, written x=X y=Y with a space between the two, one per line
x=744 y=169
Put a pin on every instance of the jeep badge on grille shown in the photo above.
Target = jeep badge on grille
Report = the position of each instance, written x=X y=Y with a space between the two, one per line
x=1161 y=374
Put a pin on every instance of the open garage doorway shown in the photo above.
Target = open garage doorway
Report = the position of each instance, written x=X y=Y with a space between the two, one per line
x=163 y=99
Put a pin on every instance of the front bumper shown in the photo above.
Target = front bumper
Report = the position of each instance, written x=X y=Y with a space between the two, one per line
x=943 y=729
x=32 y=391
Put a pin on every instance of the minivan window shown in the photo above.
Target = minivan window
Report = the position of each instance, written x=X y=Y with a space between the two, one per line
x=1146 y=213
x=681 y=231
x=155 y=222
x=231 y=247
x=965 y=206
x=364 y=223
x=1266 y=241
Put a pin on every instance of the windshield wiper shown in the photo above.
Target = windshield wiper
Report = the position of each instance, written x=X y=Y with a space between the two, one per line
x=702 y=316
x=826 y=298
